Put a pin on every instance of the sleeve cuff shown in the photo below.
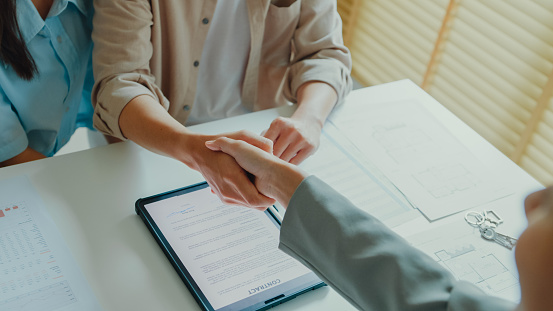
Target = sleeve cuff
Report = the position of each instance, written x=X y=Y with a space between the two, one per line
x=112 y=97
x=328 y=71
x=15 y=146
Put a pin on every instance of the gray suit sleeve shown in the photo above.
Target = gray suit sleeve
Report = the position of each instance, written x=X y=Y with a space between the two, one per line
x=365 y=262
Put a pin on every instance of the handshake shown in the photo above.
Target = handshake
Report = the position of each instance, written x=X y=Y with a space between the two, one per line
x=273 y=178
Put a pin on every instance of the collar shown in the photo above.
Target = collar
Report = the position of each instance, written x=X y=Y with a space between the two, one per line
x=60 y=5
x=30 y=22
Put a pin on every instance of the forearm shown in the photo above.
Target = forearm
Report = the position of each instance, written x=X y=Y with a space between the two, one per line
x=357 y=255
x=145 y=121
x=26 y=156
x=315 y=102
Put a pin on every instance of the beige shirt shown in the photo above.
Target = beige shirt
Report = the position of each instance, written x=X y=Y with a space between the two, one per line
x=154 y=47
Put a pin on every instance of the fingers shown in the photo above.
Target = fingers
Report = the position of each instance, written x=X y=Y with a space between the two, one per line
x=293 y=139
x=244 y=197
x=538 y=199
x=253 y=160
x=284 y=143
x=533 y=200
x=260 y=142
x=273 y=131
x=219 y=144
x=301 y=156
x=240 y=191
x=226 y=145
x=282 y=132
x=276 y=132
x=291 y=150
x=228 y=180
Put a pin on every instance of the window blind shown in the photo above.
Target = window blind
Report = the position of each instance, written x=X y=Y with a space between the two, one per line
x=489 y=62
x=393 y=40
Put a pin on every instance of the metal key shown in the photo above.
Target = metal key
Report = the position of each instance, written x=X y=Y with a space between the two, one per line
x=501 y=239
x=484 y=219
x=492 y=219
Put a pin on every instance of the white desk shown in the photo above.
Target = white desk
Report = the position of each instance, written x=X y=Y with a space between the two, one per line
x=91 y=196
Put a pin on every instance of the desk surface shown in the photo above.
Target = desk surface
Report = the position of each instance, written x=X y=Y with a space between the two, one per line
x=91 y=195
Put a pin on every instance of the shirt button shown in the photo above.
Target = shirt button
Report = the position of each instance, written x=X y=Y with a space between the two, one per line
x=196 y=63
x=59 y=39
x=66 y=109
x=205 y=21
x=186 y=108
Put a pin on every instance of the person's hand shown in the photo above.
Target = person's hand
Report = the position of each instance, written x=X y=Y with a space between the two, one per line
x=27 y=155
x=534 y=251
x=273 y=177
x=225 y=177
x=537 y=199
x=294 y=139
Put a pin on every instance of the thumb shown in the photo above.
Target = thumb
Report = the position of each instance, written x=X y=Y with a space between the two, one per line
x=224 y=144
x=213 y=145
x=244 y=153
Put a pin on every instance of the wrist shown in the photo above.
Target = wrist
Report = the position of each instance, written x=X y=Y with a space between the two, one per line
x=286 y=180
x=189 y=147
x=304 y=116
x=316 y=100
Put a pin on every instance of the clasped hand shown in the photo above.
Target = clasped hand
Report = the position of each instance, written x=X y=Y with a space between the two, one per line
x=246 y=155
x=225 y=177
x=273 y=177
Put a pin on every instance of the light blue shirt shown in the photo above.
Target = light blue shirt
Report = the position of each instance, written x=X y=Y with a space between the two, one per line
x=43 y=113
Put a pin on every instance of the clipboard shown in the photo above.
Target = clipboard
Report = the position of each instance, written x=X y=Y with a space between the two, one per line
x=226 y=255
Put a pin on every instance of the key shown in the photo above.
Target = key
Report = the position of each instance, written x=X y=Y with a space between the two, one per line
x=485 y=219
x=501 y=239
x=495 y=220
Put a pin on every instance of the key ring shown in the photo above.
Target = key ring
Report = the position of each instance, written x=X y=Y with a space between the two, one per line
x=475 y=219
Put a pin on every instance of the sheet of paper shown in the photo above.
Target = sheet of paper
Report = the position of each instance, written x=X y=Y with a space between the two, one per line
x=434 y=170
x=461 y=250
x=230 y=251
x=344 y=168
x=37 y=270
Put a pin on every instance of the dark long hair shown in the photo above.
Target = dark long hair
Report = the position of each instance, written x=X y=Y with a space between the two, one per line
x=13 y=50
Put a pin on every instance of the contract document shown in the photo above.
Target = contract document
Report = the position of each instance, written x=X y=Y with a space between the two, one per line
x=37 y=270
x=341 y=165
x=226 y=254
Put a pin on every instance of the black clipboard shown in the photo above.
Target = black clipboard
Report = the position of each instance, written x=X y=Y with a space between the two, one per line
x=173 y=214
